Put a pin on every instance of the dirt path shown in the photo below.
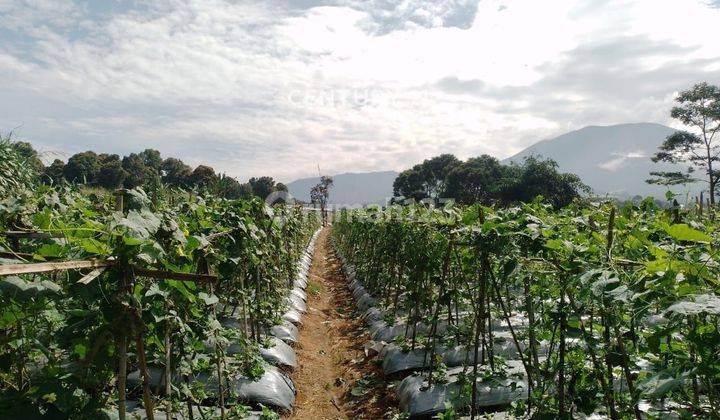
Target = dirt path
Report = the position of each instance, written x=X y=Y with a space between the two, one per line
x=335 y=380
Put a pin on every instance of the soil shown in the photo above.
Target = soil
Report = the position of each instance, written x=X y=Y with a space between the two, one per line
x=335 y=379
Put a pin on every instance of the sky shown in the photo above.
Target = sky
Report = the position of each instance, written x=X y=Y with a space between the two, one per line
x=284 y=87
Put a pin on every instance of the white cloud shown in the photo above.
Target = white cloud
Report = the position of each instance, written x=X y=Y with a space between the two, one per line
x=276 y=87
x=621 y=159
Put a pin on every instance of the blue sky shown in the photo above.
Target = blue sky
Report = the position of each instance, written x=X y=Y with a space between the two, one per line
x=278 y=87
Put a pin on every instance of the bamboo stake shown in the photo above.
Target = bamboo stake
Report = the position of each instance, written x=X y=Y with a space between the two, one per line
x=168 y=373
x=122 y=375
x=122 y=340
x=142 y=361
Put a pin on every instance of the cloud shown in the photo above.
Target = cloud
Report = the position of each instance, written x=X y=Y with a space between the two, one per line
x=452 y=84
x=277 y=87
x=616 y=80
x=621 y=158
x=385 y=16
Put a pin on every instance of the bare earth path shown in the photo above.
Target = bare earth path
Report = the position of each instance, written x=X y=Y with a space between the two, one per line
x=335 y=380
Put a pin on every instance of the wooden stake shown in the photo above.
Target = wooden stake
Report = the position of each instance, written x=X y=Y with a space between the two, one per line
x=142 y=361
x=122 y=375
x=168 y=373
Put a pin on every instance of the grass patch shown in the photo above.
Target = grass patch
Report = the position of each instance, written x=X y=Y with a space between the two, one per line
x=315 y=288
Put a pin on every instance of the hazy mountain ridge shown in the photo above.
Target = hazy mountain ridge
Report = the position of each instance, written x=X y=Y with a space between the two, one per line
x=350 y=188
x=613 y=160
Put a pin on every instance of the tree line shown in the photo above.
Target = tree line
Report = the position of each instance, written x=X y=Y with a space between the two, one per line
x=484 y=179
x=145 y=169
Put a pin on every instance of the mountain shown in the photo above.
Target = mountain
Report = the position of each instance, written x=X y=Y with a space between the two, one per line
x=350 y=188
x=612 y=160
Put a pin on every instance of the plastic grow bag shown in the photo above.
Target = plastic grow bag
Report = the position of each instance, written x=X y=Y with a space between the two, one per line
x=135 y=412
x=366 y=302
x=286 y=331
x=417 y=399
x=300 y=293
x=395 y=360
x=279 y=354
x=293 y=316
x=273 y=388
x=296 y=303
x=372 y=315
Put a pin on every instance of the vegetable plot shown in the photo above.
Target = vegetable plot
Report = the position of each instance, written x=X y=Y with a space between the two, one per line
x=170 y=305
x=591 y=310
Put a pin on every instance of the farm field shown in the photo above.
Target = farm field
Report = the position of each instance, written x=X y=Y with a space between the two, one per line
x=133 y=304
x=359 y=209
x=589 y=312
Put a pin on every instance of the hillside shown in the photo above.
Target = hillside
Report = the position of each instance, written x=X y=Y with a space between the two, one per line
x=613 y=160
x=350 y=188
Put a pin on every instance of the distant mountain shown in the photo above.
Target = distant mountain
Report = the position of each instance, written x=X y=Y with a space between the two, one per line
x=350 y=188
x=612 y=160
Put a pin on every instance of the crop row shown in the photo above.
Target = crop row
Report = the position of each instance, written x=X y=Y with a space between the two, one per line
x=586 y=311
x=175 y=305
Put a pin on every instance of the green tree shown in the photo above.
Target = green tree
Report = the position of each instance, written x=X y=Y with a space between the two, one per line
x=263 y=186
x=137 y=171
x=426 y=179
x=475 y=180
x=229 y=187
x=83 y=168
x=320 y=193
x=53 y=174
x=409 y=184
x=175 y=173
x=111 y=174
x=281 y=187
x=31 y=156
x=152 y=159
x=202 y=176
x=142 y=168
x=699 y=108
x=539 y=177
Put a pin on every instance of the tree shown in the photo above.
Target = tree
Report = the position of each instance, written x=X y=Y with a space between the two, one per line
x=82 y=168
x=475 y=180
x=175 y=173
x=435 y=171
x=698 y=107
x=53 y=174
x=202 y=176
x=31 y=156
x=229 y=187
x=263 y=186
x=142 y=168
x=137 y=171
x=320 y=193
x=152 y=160
x=426 y=179
x=111 y=174
x=281 y=187
x=409 y=184
x=539 y=177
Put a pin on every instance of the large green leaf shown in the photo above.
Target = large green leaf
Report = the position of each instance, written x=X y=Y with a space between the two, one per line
x=683 y=232
x=698 y=304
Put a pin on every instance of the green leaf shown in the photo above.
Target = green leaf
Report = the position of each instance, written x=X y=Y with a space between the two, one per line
x=699 y=304
x=80 y=350
x=660 y=384
x=683 y=232
x=25 y=290
x=50 y=250
x=208 y=299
